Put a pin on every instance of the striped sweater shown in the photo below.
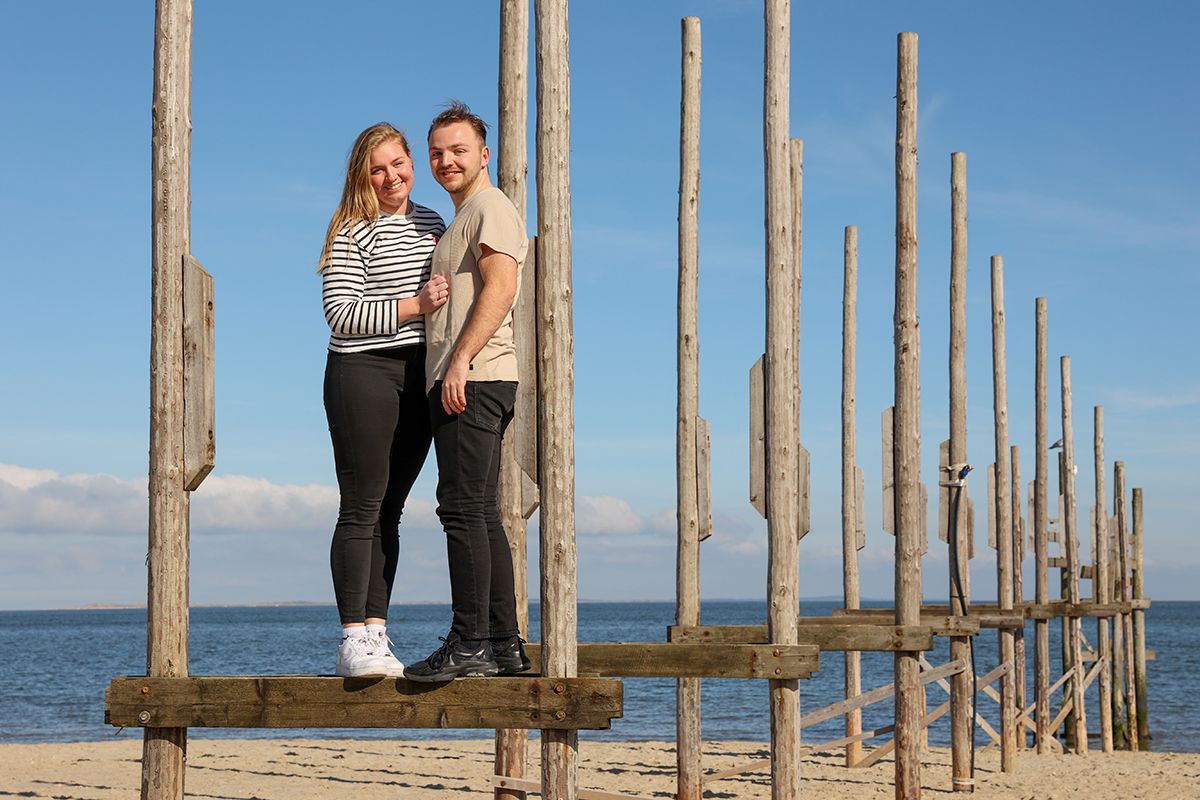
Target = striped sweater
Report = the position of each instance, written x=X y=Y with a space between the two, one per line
x=368 y=269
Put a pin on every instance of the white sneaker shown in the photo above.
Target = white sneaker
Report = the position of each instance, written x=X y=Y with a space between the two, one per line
x=382 y=646
x=359 y=657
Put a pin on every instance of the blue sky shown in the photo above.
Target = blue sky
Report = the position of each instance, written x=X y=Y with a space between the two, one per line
x=1079 y=123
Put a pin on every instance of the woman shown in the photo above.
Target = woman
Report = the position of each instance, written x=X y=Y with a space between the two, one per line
x=375 y=268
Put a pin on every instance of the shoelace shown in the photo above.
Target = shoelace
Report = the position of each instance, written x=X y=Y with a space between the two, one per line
x=359 y=645
x=438 y=657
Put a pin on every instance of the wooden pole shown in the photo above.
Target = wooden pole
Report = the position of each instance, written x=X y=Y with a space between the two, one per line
x=1071 y=539
x=1139 y=620
x=512 y=745
x=687 y=574
x=781 y=402
x=556 y=383
x=907 y=422
x=1041 y=537
x=1018 y=589
x=1004 y=531
x=1126 y=590
x=850 y=586
x=962 y=724
x=1100 y=583
x=164 y=750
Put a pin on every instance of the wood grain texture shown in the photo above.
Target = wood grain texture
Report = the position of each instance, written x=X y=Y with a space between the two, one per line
x=694 y=660
x=1071 y=539
x=1101 y=588
x=1041 y=537
x=1140 y=654
x=758 y=437
x=851 y=499
x=326 y=702
x=199 y=375
x=825 y=633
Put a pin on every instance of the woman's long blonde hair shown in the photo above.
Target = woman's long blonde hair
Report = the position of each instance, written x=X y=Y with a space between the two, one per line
x=359 y=204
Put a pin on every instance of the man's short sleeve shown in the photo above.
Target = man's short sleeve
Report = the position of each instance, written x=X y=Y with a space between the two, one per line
x=500 y=228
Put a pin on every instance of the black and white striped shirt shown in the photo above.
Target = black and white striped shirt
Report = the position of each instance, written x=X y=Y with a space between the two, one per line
x=368 y=269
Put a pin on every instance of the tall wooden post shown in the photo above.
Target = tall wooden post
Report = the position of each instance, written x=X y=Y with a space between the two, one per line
x=907 y=423
x=1101 y=588
x=1041 y=536
x=1004 y=531
x=962 y=725
x=850 y=511
x=556 y=383
x=1018 y=590
x=164 y=750
x=1126 y=595
x=1139 y=620
x=511 y=176
x=1071 y=540
x=781 y=403
x=687 y=573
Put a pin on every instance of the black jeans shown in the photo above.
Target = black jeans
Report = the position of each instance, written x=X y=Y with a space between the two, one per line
x=379 y=424
x=468 y=456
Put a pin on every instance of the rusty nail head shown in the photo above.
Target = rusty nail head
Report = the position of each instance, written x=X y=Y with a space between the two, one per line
x=144 y=716
x=560 y=714
x=559 y=688
x=145 y=690
x=778 y=670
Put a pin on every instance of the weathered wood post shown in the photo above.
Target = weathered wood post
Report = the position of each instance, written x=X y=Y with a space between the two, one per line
x=962 y=724
x=782 y=501
x=164 y=750
x=511 y=176
x=1041 y=535
x=907 y=422
x=1126 y=596
x=1139 y=620
x=1071 y=540
x=1101 y=588
x=1018 y=590
x=1003 y=511
x=851 y=512
x=687 y=573
x=556 y=382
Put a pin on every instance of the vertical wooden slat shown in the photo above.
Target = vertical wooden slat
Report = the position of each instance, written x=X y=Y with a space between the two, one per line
x=1004 y=528
x=687 y=573
x=164 y=749
x=758 y=437
x=1100 y=583
x=1139 y=620
x=850 y=513
x=1126 y=590
x=1041 y=543
x=962 y=725
x=1071 y=540
x=512 y=746
x=704 y=477
x=556 y=382
x=1018 y=589
x=199 y=375
x=888 y=430
x=781 y=402
x=907 y=441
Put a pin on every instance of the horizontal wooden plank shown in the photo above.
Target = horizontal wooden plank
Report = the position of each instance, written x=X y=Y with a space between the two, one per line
x=535 y=785
x=827 y=633
x=667 y=660
x=303 y=701
x=940 y=623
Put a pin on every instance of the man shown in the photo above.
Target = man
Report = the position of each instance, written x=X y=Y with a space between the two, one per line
x=471 y=371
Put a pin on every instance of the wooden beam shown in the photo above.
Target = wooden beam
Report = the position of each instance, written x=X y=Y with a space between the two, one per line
x=1041 y=536
x=326 y=702
x=199 y=375
x=851 y=502
x=530 y=785
x=665 y=660
x=758 y=438
x=834 y=634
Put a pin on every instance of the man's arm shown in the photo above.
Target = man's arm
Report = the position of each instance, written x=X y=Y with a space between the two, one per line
x=499 y=274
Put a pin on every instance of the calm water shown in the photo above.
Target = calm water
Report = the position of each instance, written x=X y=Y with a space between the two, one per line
x=54 y=666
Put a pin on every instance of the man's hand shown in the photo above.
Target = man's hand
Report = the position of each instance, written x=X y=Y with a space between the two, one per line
x=454 y=386
x=433 y=294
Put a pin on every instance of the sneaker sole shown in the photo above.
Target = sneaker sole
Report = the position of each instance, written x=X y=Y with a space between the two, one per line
x=471 y=672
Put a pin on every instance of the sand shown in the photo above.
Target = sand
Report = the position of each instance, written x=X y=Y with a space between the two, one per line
x=298 y=769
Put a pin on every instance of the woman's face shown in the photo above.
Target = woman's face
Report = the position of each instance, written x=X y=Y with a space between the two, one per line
x=391 y=176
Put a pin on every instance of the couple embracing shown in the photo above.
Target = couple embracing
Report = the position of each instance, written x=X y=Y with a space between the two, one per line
x=422 y=351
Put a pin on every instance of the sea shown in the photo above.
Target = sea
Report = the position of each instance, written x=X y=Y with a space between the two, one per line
x=55 y=665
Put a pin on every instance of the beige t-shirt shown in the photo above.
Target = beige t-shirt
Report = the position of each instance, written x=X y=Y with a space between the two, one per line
x=487 y=217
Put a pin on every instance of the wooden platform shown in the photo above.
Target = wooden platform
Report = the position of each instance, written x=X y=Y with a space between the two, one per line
x=729 y=659
x=305 y=701
x=825 y=633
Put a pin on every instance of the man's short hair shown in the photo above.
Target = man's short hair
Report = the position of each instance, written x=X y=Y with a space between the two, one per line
x=458 y=111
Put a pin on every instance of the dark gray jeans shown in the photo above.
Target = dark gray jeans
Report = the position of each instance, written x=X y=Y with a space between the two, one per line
x=468 y=455
x=379 y=424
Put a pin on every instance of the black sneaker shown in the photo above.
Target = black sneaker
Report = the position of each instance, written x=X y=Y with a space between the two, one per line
x=456 y=658
x=510 y=655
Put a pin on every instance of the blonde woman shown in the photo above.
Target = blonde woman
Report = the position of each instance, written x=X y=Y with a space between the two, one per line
x=376 y=289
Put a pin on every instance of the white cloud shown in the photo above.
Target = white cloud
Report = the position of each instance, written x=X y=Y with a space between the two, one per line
x=1136 y=400
x=604 y=514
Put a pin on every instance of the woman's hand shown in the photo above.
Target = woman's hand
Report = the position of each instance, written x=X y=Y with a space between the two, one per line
x=433 y=295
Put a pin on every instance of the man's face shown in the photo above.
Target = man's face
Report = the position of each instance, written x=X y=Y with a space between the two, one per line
x=457 y=157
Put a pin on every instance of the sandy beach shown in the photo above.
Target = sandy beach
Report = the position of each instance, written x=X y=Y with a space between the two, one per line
x=297 y=769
